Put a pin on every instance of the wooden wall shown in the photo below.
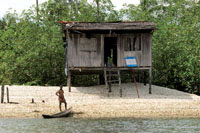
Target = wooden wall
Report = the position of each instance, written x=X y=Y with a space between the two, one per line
x=85 y=51
x=143 y=56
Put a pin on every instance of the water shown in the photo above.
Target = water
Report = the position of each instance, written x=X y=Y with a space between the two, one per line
x=117 y=125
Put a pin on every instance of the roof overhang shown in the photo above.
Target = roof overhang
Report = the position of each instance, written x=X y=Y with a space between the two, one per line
x=108 y=26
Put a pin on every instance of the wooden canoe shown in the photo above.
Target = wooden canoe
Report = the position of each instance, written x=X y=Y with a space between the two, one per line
x=59 y=115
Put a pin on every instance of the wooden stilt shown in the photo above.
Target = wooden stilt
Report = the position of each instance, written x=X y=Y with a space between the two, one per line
x=135 y=83
x=69 y=81
x=7 y=94
x=2 y=93
x=110 y=83
x=120 y=89
x=144 y=78
x=101 y=79
x=105 y=77
x=150 y=78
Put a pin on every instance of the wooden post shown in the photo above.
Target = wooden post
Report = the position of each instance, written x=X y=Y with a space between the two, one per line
x=150 y=78
x=101 y=79
x=105 y=77
x=7 y=94
x=69 y=80
x=120 y=89
x=144 y=78
x=135 y=83
x=109 y=87
x=110 y=82
x=32 y=100
x=2 y=93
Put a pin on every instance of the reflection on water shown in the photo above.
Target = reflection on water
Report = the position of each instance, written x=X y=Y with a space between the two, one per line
x=117 y=125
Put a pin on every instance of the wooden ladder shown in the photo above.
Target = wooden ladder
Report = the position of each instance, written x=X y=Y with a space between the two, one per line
x=112 y=76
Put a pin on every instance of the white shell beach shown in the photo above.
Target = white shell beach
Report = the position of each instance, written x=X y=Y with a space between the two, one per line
x=97 y=102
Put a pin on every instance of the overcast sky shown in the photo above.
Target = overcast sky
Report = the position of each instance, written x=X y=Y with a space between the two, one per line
x=20 y=5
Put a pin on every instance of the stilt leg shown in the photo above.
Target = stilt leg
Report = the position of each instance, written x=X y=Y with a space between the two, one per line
x=101 y=79
x=120 y=83
x=69 y=81
x=150 y=78
x=144 y=78
x=109 y=87
x=105 y=77
x=109 y=84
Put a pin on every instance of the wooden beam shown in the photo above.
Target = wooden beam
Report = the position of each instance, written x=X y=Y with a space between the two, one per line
x=102 y=68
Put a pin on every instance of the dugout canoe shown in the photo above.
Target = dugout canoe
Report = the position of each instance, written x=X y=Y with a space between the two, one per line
x=65 y=113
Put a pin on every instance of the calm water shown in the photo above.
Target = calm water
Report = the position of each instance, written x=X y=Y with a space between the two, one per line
x=122 y=125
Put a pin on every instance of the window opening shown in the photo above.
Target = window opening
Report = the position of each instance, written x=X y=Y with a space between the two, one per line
x=133 y=43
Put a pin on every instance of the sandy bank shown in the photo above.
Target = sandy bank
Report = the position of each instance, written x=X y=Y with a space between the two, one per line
x=96 y=102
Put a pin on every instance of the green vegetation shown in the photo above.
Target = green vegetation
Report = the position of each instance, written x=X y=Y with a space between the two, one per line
x=31 y=48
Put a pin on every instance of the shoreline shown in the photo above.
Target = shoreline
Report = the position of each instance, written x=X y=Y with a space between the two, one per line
x=95 y=102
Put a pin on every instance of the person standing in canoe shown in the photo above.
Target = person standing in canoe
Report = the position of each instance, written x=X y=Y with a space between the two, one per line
x=61 y=98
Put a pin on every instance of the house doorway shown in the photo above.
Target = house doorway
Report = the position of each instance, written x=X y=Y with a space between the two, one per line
x=110 y=51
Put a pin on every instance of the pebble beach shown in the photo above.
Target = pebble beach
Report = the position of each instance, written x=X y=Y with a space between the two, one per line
x=97 y=102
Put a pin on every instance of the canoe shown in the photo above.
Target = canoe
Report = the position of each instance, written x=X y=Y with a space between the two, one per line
x=59 y=115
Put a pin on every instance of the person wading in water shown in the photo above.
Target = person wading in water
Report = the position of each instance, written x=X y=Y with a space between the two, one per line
x=61 y=98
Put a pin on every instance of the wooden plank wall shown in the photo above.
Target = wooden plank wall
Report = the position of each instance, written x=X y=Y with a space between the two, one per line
x=143 y=57
x=89 y=52
x=146 y=49
x=85 y=52
x=120 y=51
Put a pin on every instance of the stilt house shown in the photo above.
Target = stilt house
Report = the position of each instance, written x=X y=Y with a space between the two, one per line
x=95 y=47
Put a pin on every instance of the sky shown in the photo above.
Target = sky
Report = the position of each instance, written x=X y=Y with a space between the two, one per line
x=20 y=5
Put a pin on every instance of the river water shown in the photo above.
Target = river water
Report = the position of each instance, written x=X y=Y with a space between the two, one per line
x=116 y=125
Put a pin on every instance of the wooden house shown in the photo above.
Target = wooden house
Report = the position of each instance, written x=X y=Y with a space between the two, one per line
x=91 y=46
